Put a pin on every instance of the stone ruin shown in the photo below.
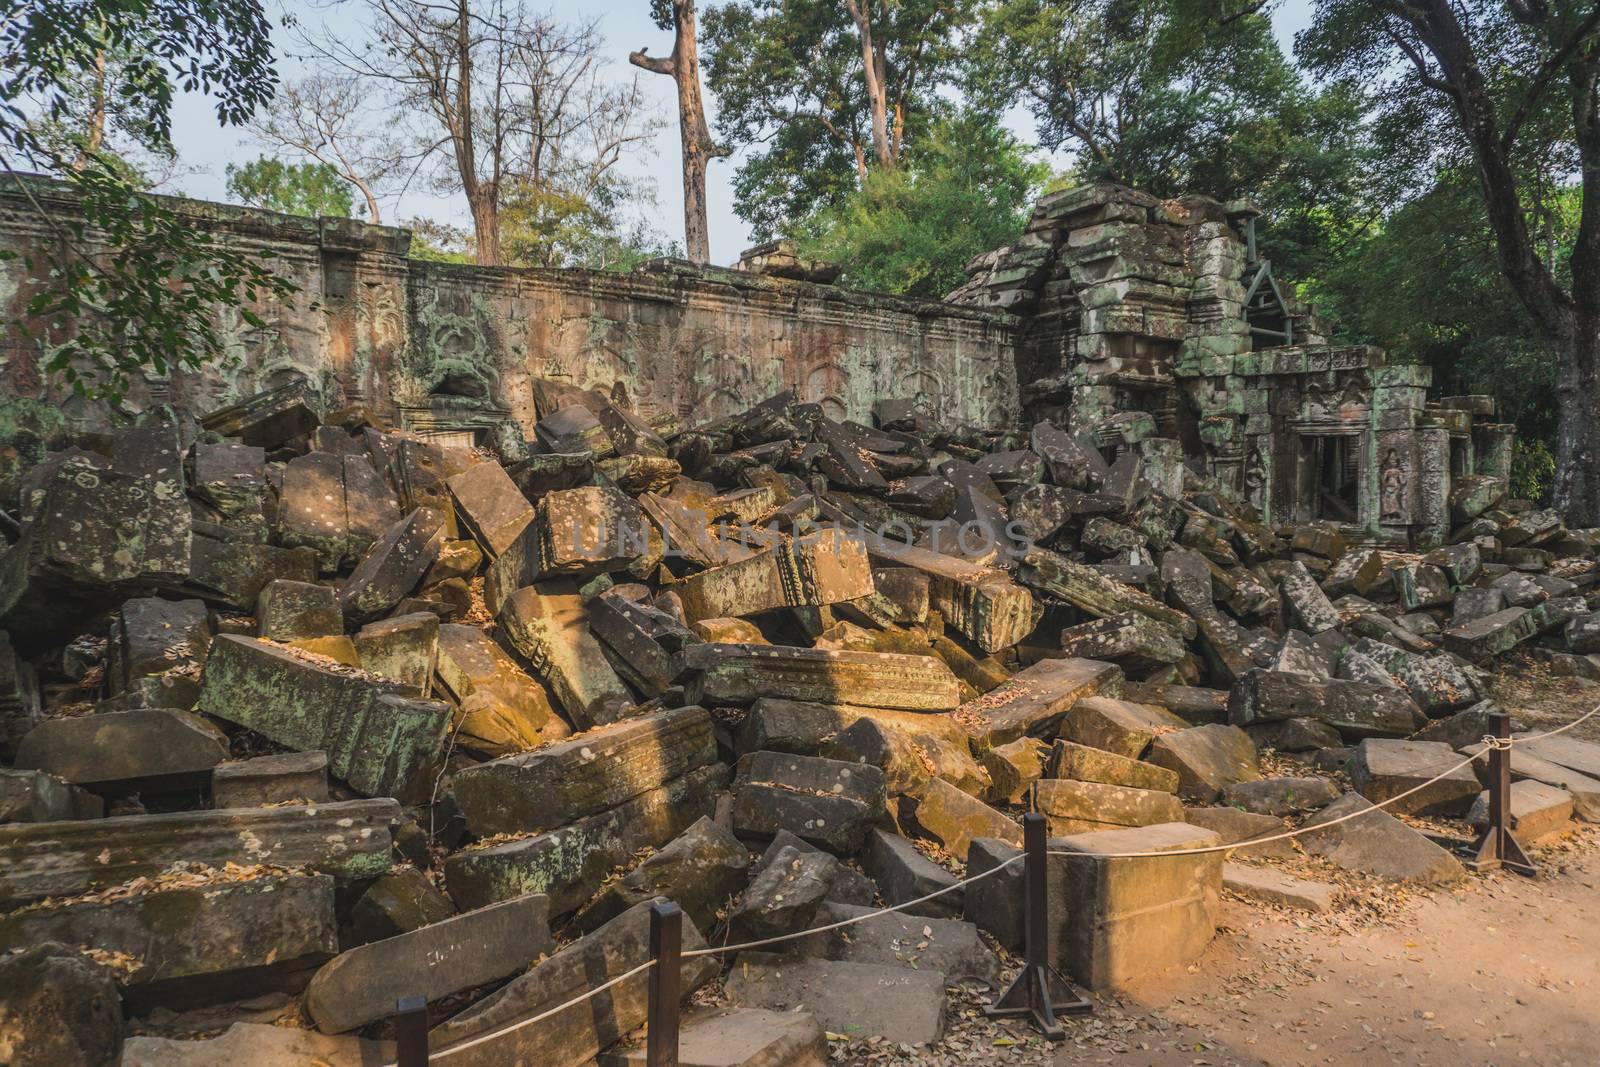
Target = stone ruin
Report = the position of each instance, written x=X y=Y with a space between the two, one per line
x=1158 y=320
x=303 y=712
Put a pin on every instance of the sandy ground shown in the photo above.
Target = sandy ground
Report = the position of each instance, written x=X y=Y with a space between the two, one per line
x=1497 y=970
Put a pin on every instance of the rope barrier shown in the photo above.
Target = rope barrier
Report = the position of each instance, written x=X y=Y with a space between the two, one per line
x=1490 y=743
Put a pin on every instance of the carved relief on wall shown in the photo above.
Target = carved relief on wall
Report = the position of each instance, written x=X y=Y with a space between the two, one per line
x=1397 y=478
x=1258 y=472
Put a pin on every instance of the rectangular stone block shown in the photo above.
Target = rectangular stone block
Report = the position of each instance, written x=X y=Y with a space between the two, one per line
x=1073 y=807
x=1124 y=919
x=348 y=839
x=585 y=775
x=1035 y=699
x=490 y=506
x=739 y=674
x=548 y=625
x=377 y=740
x=825 y=570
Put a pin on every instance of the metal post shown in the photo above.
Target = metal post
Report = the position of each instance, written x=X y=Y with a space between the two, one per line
x=411 y=1032
x=1033 y=992
x=666 y=986
x=1497 y=846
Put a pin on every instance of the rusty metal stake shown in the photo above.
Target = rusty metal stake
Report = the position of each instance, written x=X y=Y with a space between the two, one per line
x=411 y=1032
x=1034 y=992
x=666 y=985
x=1497 y=846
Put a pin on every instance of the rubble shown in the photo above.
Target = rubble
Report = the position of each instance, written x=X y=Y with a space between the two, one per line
x=599 y=667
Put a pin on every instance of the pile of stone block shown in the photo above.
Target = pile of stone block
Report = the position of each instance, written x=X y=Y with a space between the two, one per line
x=293 y=703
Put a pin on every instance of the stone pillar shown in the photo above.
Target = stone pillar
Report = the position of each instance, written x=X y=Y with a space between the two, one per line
x=1494 y=443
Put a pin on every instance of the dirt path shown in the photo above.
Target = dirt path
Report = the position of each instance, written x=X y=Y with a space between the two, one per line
x=1496 y=970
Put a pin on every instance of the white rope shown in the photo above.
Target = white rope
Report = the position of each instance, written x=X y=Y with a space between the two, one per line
x=719 y=949
x=1489 y=741
x=440 y=1054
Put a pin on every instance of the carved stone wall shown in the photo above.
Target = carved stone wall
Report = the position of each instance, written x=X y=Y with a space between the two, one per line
x=447 y=348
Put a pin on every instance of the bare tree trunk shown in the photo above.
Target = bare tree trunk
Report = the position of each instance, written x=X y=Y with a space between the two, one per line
x=95 y=134
x=1567 y=324
x=683 y=66
x=872 y=63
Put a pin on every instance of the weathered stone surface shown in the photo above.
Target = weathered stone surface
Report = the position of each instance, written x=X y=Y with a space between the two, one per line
x=152 y=636
x=699 y=871
x=235 y=572
x=1126 y=918
x=1014 y=767
x=398 y=901
x=783 y=896
x=263 y=780
x=1087 y=764
x=949 y=946
x=376 y=740
x=1195 y=704
x=197 y=945
x=314 y=506
x=910 y=749
x=1131 y=640
x=1437 y=683
x=1537 y=809
x=1118 y=726
x=1093 y=593
x=1355 y=709
x=1034 y=700
x=1293 y=735
x=33 y=796
x=1568 y=751
x=118 y=751
x=1275 y=887
x=1304 y=602
x=1241 y=827
x=996 y=903
x=1207 y=759
x=953 y=819
x=740 y=674
x=568 y=864
x=1385 y=769
x=822 y=569
x=983 y=604
x=904 y=874
x=1280 y=796
x=646 y=642
x=403 y=648
x=393 y=566
x=855 y=999
x=292 y=611
x=548 y=625
x=575 y=1035
x=19 y=695
x=584 y=775
x=574 y=533
x=1492 y=635
x=827 y=802
x=739 y=1037
x=1375 y=842
x=1074 y=807
x=460 y=953
x=349 y=840
x=490 y=506
x=257 y=1045
x=268 y=419
x=502 y=709
x=58 y=1007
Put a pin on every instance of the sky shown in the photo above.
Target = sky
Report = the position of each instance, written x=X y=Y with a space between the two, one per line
x=205 y=148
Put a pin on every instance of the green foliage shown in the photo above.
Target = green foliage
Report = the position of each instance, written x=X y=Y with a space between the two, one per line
x=1426 y=286
x=312 y=189
x=966 y=188
x=791 y=94
x=575 y=225
x=1175 y=97
x=130 y=289
x=1533 y=470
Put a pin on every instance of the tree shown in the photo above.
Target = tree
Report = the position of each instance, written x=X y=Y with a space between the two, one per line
x=293 y=188
x=817 y=96
x=965 y=188
x=127 y=287
x=505 y=98
x=1509 y=89
x=328 y=117
x=683 y=67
